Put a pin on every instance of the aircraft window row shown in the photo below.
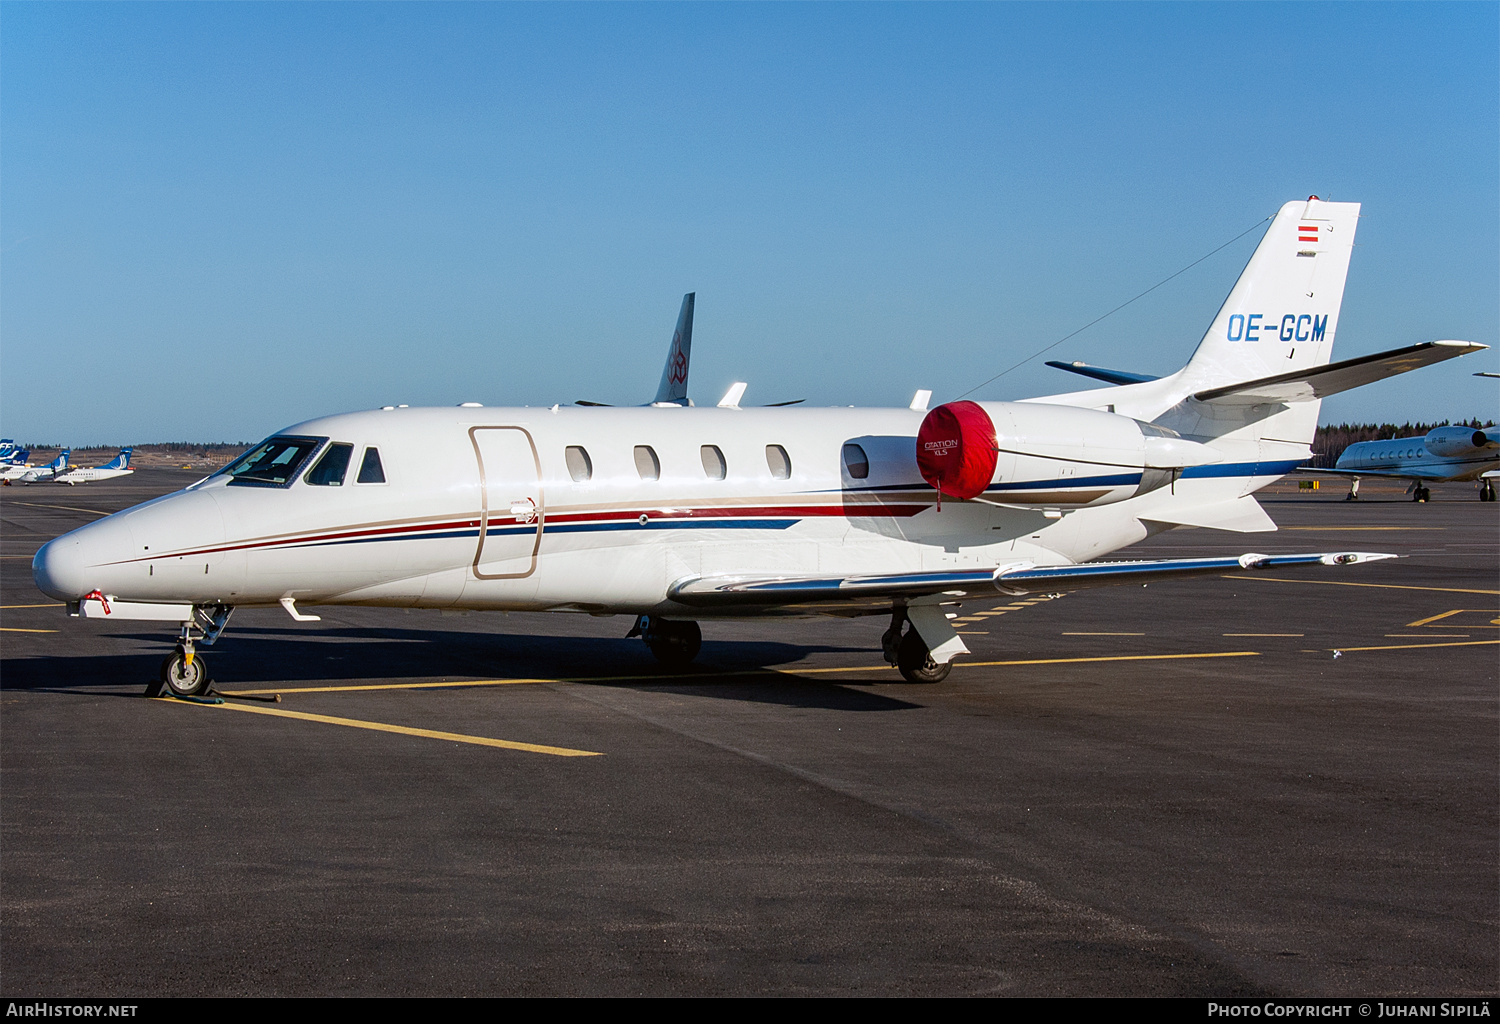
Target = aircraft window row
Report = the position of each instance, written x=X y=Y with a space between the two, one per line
x=648 y=465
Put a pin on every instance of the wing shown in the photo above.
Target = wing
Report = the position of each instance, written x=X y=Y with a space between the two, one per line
x=868 y=594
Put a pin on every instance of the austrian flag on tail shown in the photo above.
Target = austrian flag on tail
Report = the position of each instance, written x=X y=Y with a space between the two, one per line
x=1307 y=233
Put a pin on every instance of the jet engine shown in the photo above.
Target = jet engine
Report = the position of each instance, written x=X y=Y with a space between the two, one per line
x=1457 y=442
x=1024 y=453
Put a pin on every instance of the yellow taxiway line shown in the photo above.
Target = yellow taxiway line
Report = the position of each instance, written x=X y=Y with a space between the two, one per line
x=13 y=629
x=65 y=508
x=50 y=604
x=1407 y=647
x=1443 y=615
x=1378 y=586
x=431 y=734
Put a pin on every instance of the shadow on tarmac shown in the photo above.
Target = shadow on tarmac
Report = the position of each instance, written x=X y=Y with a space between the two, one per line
x=262 y=658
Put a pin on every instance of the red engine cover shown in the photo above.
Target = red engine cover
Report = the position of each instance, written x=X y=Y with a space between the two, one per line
x=956 y=449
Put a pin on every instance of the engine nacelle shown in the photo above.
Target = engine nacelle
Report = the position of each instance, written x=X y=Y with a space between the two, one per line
x=1024 y=453
x=957 y=449
x=1457 y=442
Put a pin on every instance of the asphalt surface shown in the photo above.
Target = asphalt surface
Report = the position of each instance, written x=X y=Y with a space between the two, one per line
x=1282 y=785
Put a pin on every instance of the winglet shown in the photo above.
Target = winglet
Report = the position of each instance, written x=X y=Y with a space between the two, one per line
x=674 y=376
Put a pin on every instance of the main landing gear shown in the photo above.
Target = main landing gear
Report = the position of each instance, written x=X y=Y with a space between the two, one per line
x=1419 y=492
x=909 y=653
x=675 y=642
x=1487 y=490
x=184 y=673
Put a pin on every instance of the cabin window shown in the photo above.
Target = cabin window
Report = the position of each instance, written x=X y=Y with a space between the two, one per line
x=370 y=469
x=778 y=461
x=646 y=462
x=714 y=466
x=330 y=470
x=580 y=466
x=856 y=461
x=273 y=462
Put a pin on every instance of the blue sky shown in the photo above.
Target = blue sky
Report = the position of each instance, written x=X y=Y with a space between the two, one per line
x=219 y=219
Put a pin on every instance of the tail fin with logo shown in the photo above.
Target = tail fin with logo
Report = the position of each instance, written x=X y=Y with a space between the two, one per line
x=121 y=461
x=1264 y=364
x=674 y=376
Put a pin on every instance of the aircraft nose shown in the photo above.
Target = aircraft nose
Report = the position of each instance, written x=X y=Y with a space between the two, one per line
x=82 y=561
x=58 y=568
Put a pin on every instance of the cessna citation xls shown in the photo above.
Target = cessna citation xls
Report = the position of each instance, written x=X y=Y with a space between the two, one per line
x=676 y=514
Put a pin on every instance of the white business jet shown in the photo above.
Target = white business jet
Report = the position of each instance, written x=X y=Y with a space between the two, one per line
x=1442 y=454
x=676 y=514
x=51 y=471
x=117 y=467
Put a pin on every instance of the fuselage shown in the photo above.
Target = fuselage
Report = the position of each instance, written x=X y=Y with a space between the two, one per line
x=1445 y=453
x=602 y=509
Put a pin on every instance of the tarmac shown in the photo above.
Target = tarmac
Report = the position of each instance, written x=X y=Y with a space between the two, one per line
x=1279 y=784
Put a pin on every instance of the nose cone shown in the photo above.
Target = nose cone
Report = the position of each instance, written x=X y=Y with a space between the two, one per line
x=58 y=568
x=84 y=560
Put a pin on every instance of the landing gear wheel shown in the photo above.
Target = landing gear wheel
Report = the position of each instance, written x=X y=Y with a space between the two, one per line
x=181 y=678
x=1421 y=494
x=915 y=661
x=1487 y=491
x=674 y=643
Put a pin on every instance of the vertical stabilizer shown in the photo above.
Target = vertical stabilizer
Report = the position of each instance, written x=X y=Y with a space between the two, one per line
x=1284 y=310
x=674 y=376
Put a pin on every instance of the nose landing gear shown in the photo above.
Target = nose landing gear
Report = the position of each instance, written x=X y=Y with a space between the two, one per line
x=183 y=672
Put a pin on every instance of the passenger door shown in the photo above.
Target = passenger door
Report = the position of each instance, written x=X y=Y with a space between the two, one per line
x=513 y=507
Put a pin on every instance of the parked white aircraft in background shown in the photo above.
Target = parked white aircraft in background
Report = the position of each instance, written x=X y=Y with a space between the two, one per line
x=47 y=472
x=1442 y=454
x=13 y=464
x=675 y=514
x=119 y=466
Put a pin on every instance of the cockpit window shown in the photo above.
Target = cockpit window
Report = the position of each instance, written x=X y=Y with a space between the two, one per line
x=330 y=470
x=272 y=463
x=370 y=470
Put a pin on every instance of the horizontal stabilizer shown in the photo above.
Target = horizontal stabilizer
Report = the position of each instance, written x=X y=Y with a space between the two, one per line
x=827 y=593
x=1241 y=515
x=1321 y=381
x=1100 y=373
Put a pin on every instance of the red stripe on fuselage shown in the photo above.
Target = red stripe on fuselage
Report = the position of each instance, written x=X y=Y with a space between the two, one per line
x=621 y=516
